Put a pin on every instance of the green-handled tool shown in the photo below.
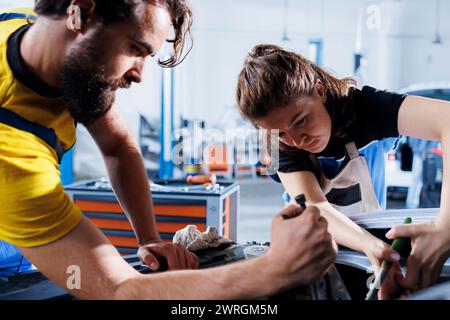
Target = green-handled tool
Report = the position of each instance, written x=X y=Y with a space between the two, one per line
x=386 y=265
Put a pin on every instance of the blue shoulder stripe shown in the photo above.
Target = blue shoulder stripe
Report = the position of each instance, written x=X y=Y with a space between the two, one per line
x=12 y=119
x=10 y=16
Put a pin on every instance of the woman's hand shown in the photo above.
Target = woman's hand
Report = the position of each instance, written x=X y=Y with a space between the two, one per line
x=430 y=249
x=378 y=250
x=391 y=287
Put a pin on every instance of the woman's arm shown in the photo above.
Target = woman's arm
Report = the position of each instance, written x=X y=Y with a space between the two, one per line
x=427 y=119
x=344 y=231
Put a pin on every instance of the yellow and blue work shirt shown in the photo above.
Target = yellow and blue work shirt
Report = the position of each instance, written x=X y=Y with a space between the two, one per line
x=34 y=209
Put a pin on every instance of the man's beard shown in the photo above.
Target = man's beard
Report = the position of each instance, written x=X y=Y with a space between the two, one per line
x=88 y=93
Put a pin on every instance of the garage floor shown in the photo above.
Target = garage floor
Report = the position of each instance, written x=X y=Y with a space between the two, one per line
x=260 y=201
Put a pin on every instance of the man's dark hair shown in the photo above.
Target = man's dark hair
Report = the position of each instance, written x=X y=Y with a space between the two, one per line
x=111 y=11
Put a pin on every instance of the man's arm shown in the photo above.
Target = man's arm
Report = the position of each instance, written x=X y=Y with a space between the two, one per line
x=129 y=181
x=127 y=172
x=300 y=253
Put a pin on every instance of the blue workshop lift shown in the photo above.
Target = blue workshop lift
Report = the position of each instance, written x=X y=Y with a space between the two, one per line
x=167 y=108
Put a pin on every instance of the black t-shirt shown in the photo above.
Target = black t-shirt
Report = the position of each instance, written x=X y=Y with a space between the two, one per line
x=375 y=114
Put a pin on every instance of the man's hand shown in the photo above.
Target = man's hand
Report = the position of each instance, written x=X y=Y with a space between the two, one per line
x=430 y=249
x=302 y=249
x=176 y=255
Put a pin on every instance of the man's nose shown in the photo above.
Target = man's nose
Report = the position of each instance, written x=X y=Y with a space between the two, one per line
x=134 y=75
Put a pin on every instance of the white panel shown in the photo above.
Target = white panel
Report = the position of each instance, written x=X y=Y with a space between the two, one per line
x=6 y=4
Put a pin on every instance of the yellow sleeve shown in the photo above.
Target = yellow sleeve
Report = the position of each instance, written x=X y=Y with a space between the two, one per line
x=34 y=209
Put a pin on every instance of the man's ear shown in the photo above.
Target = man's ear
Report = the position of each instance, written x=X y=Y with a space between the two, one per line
x=321 y=91
x=79 y=12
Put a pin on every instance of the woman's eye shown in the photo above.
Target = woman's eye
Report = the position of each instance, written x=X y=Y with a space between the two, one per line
x=300 y=122
x=281 y=136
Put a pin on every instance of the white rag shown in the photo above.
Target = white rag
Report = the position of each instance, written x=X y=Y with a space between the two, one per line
x=192 y=239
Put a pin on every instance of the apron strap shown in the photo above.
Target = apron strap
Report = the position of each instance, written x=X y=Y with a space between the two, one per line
x=315 y=162
x=317 y=168
x=352 y=151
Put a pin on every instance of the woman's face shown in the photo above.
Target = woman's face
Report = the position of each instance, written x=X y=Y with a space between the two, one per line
x=303 y=124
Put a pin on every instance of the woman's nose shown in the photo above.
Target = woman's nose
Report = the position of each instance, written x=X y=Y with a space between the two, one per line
x=297 y=140
x=300 y=141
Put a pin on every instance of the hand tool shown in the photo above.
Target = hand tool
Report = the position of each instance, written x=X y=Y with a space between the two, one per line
x=386 y=265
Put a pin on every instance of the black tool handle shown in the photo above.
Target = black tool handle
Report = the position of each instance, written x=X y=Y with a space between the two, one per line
x=301 y=201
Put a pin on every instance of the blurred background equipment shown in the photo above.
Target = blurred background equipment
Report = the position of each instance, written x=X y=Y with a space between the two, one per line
x=176 y=204
x=186 y=122
x=149 y=142
x=414 y=170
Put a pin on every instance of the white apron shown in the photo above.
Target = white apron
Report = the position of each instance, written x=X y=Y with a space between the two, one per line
x=351 y=191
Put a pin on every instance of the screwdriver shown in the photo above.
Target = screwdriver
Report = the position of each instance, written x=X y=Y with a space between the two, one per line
x=301 y=201
x=386 y=265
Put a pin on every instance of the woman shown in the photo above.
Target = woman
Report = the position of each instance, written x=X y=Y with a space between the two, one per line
x=332 y=139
